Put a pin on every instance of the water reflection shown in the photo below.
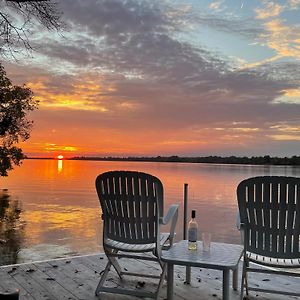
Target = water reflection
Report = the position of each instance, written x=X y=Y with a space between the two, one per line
x=62 y=211
x=11 y=229
x=59 y=165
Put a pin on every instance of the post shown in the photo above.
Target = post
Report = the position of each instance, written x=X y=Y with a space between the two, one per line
x=185 y=216
x=185 y=211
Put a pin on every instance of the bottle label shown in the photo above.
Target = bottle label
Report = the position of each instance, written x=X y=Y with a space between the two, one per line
x=192 y=235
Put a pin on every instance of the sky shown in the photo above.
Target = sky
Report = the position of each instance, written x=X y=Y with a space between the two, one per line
x=165 y=77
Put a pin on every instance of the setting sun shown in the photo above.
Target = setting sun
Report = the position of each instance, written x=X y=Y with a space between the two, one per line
x=60 y=156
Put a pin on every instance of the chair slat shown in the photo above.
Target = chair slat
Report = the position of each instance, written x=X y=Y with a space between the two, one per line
x=296 y=235
x=152 y=211
x=145 y=222
x=132 y=223
x=124 y=201
x=138 y=216
x=282 y=212
x=250 y=206
x=267 y=216
x=290 y=217
x=259 y=215
x=274 y=217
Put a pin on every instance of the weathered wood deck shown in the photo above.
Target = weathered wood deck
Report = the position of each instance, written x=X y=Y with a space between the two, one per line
x=77 y=277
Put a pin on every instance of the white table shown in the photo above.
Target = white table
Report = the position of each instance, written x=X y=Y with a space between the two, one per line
x=224 y=257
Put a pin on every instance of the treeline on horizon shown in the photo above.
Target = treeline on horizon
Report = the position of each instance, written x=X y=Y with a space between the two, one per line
x=254 y=160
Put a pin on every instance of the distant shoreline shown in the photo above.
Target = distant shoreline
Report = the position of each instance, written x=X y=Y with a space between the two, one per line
x=254 y=160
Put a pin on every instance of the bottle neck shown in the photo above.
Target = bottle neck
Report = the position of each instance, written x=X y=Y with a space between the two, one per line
x=193 y=214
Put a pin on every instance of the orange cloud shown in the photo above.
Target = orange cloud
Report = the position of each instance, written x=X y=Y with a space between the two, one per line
x=286 y=128
x=53 y=147
x=285 y=132
x=285 y=137
x=79 y=96
x=49 y=148
x=271 y=9
x=284 y=39
x=289 y=96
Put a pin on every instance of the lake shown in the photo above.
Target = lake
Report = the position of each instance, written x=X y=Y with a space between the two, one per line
x=49 y=208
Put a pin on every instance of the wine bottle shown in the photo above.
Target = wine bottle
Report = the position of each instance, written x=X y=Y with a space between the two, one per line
x=192 y=232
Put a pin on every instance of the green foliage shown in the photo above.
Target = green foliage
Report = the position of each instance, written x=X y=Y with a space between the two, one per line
x=15 y=102
x=9 y=156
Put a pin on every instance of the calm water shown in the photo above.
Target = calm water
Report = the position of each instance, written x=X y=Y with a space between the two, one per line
x=49 y=208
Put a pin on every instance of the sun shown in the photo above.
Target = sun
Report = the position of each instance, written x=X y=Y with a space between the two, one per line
x=60 y=156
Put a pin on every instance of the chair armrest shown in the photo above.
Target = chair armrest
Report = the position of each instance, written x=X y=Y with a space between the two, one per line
x=172 y=215
x=240 y=226
x=172 y=212
x=238 y=221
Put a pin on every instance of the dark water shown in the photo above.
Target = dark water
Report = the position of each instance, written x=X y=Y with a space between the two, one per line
x=49 y=208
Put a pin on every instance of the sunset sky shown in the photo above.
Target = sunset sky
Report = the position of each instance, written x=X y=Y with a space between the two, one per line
x=166 y=77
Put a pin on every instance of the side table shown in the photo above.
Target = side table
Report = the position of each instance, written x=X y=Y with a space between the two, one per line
x=222 y=256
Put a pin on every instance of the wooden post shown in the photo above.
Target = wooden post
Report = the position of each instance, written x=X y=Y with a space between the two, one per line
x=185 y=211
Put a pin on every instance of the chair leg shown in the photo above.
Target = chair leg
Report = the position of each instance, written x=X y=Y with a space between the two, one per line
x=243 y=280
x=103 y=278
x=114 y=262
x=246 y=278
x=161 y=280
x=246 y=284
x=235 y=276
x=242 y=288
x=116 y=266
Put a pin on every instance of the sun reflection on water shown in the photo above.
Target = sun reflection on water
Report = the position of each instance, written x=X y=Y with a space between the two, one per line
x=59 y=165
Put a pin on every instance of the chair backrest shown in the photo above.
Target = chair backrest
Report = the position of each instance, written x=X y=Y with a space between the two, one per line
x=131 y=203
x=269 y=209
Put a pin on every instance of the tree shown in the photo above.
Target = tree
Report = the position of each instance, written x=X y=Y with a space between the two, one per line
x=15 y=102
x=17 y=18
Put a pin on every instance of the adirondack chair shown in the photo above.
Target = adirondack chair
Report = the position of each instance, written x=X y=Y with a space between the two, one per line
x=269 y=208
x=133 y=212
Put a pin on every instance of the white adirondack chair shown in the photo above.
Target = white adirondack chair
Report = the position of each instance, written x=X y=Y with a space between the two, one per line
x=132 y=207
x=269 y=208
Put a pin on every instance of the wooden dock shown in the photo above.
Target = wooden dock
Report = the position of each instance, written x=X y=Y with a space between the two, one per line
x=77 y=277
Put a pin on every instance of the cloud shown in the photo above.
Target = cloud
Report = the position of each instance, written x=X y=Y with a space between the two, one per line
x=216 y=5
x=293 y=4
x=270 y=9
x=283 y=38
x=244 y=27
x=138 y=65
x=285 y=137
x=122 y=73
x=289 y=96
x=114 y=18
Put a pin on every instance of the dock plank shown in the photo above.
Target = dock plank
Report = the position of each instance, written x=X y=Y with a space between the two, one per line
x=76 y=278
x=25 y=281
x=8 y=284
x=48 y=283
x=65 y=274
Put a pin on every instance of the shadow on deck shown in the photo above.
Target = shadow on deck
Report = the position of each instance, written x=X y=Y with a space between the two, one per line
x=77 y=277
